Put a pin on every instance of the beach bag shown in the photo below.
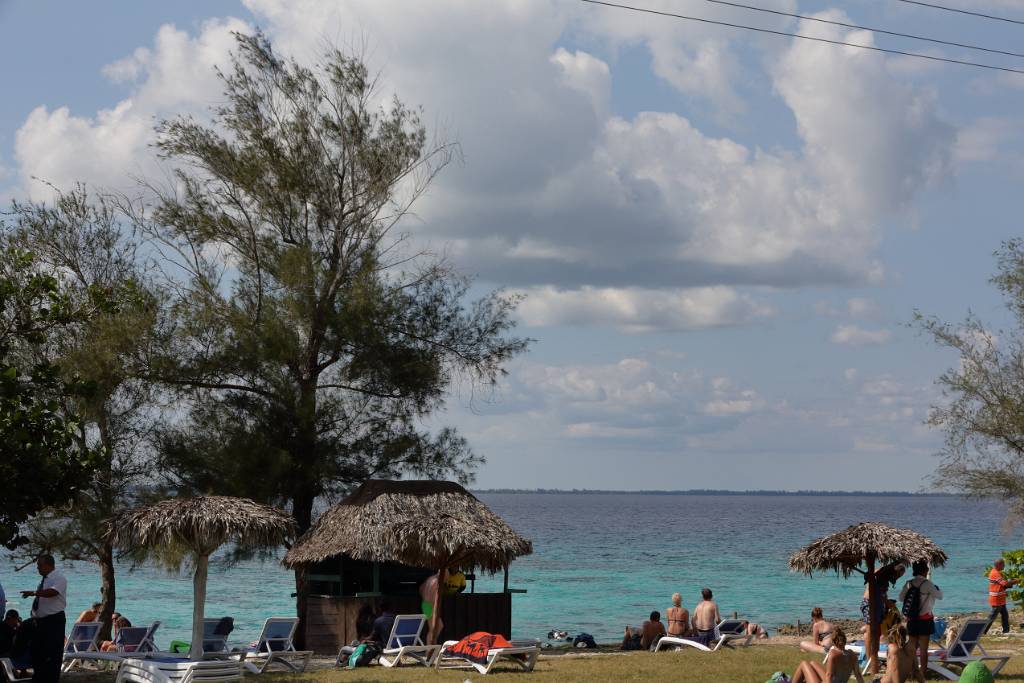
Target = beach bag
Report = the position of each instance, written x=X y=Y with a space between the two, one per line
x=363 y=655
x=912 y=601
x=584 y=640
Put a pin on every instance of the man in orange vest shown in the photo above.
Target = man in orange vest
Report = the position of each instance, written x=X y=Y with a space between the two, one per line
x=997 y=585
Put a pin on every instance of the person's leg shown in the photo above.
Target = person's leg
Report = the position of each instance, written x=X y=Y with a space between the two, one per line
x=1004 y=614
x=922 y=651
x=808 y=646
x=808 y=672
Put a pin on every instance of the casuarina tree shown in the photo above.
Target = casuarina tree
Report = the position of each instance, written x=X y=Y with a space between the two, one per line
x=84 y=239
x=312 y=339
x=982 y=414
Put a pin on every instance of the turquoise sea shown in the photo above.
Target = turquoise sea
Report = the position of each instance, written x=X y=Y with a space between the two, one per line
x=602 y=561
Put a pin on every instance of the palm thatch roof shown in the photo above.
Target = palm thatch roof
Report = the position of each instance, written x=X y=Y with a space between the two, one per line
x=430 y=524
x=201 y=523
x=845 y=550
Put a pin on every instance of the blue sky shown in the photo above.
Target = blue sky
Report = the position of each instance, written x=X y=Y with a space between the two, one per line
x=721 y=235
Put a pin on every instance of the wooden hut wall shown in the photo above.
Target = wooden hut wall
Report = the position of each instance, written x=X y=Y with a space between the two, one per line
x=331 y=621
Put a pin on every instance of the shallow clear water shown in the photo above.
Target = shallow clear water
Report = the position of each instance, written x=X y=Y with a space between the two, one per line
x=602 y=561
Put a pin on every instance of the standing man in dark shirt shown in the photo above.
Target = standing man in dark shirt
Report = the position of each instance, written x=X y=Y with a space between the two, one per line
x=383 y=624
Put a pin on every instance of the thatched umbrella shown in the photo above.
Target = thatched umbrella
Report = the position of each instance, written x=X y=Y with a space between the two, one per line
x=201 y=525
x=432 y=524
x=867 y=543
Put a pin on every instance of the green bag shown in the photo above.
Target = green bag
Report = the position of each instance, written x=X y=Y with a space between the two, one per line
x=976 y=672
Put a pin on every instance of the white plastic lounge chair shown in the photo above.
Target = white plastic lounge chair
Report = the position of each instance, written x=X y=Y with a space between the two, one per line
x=178 y=670
x=214 y=643
x=132 y=641
x=7 y=668
x=405 y=641
x=728 y=632
x=136 y=639
x=275 y=645
x=82 y=638
x=965 y=649
x=522 y=653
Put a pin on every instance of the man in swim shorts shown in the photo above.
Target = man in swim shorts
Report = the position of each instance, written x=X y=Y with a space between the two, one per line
x=706 y=618
x=428 y=598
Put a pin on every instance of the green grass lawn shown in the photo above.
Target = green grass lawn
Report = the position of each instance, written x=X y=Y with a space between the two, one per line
x=747 y=665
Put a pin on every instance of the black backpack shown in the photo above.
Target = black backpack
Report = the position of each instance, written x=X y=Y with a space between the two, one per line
x=912 y=601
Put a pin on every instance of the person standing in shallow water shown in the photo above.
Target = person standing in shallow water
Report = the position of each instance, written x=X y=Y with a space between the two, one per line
x=706 y=618
x=48 y=613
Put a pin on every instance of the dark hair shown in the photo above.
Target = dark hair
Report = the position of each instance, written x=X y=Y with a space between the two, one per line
x=655 y=615
x=705 y=593
x=12 y=613
x=920 y=568
x=47 y=559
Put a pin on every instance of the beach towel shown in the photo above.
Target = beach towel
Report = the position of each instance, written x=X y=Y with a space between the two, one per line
x=475 y=646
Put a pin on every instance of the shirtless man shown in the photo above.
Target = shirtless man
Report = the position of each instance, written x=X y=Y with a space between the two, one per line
x=706 y=618
x=429 y=598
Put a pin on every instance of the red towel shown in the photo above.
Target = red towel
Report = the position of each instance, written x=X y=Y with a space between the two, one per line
x=475 y=646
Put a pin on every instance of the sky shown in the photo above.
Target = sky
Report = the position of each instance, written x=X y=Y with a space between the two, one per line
x=721 y=235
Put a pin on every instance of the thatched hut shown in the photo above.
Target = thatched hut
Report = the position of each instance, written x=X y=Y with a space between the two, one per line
x=873 y=545
x=199 y=526
x=384 y=540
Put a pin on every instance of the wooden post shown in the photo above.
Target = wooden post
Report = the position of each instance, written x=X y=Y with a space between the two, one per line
x=874 y=627
x=505 y=589
x=799 y=628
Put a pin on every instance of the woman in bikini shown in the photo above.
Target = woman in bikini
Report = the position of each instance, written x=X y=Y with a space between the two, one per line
x=840 y=664
x=678 y=618
x=901 y=662
x=821 y=633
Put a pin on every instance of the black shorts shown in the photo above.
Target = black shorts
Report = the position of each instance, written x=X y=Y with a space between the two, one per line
x=921 y=627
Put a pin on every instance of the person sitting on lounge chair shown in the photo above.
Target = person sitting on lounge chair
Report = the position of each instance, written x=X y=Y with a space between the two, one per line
x=8 y=629
x=705 y=619
x=821 y=633
x=840 y=664
x=119 y=621
x=652 y=631
x=91 y=614
x=382 y=625
x=678 y=618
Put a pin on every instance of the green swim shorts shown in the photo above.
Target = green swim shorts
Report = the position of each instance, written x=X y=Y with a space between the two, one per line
x=427 y=608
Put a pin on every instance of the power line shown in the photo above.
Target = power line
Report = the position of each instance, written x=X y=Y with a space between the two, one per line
x=787 y=34
x=866 y=28
x=964 y=11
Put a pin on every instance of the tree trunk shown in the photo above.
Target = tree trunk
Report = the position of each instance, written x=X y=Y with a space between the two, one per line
x=874 y=627
x=195 y=650
x=302 y=510
x=108 y=589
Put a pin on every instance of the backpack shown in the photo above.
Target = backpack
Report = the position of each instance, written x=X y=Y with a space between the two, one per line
x=584 y=640
x=364 y=655
x=912 y=601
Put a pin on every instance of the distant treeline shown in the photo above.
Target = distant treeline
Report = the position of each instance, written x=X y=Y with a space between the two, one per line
x=717 y=492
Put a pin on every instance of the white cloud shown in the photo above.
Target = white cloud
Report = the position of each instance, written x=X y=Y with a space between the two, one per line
x=853 y=335
x=556 y=193
x=640 y=310
x=106 y=149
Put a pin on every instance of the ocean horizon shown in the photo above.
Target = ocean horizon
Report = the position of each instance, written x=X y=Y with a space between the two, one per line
x=601 y=562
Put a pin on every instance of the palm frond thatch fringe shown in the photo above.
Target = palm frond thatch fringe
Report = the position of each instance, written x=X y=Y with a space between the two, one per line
x=202 y=523
x=431 y=524
x=844 y=550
